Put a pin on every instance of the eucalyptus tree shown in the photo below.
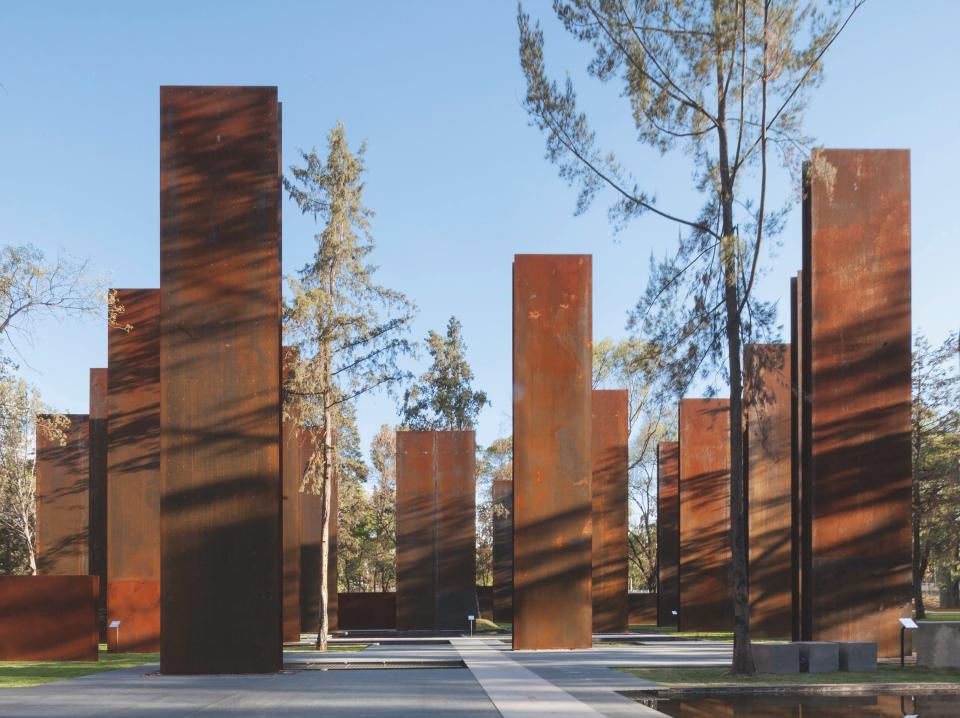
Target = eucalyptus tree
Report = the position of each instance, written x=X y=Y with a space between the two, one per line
x=350 y=331
x=726 y=82
x=443 y=397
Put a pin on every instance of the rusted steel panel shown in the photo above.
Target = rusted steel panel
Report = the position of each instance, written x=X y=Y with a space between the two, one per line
x=706 y=603
x=62 y=505
x=436 y=529
x=98 y=488
x=552 y=547
x=136 y=604
x=292 y=474
x=610 y=476
x=503 y=551
x=368 y=611
x=768 y=407
x=222 y=563
x=796 y=455
x=856 y=324
x=311 y=506
x=643 y=608
x=668 y=533
x=133 y=459
x=48 y=618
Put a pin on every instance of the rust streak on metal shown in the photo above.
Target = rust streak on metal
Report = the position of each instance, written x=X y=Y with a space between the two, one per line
x=610 y=478
x=706 y=602
x=552 y=354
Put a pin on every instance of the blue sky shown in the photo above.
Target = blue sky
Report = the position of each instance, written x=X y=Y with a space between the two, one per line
x=456 y=175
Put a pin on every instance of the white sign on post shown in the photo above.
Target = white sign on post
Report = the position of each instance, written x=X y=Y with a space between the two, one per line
x=908 y=623
x=114 y=624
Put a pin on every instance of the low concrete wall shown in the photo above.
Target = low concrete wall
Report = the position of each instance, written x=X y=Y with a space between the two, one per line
x=937 y=644
x=643 y=608
x=49 y=618
x=367 y=611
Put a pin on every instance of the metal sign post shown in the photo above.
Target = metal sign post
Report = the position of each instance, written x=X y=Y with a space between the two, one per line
x=116 y=625
x=905 y=623
x=471 y=618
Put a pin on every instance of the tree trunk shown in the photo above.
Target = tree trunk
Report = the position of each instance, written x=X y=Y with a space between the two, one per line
x=918 y=569
x=324 y=628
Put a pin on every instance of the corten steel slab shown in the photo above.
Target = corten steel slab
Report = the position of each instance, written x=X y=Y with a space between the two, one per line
x=62 y=505
x=503 y=551
x=292 y=474
x=796 y=456
x=98 y=488
x=643 y=608
x=133 y=457
x=48 y=618
x=610 y=476
x=220 y=372
x=310 y=550
x=768 y=409
x=552 y=496
x=706 y=602
x=436 y=529
x=668 y=533
x=856 y=325
x=136 y=604
x=368 y=611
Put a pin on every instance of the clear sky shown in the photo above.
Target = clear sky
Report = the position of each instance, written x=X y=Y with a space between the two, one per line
x=456 y=175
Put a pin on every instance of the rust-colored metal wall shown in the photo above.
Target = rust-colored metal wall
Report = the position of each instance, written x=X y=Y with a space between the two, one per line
x=311 y=529
x=133 y=464
x=62 y=504
x=292 y=475
x=552 y=499
x=220 y=439
x=857 y=340
x=98 y=488
x=796 y=458
x=368 y=611
x=436 y=529
x=135 y=603
x=643 y=608
x=610 y=476
x=668 y=533
x=768 y=405
x=503 y=551
x=706 y=603
x=48 y=618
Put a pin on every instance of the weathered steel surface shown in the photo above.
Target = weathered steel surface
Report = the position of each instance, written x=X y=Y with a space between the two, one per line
x=552 y=499
x=136 y=604
x=643 y=608
x=796 y=458
x=436 y=529
x=856 y=325
x=668 y=533
x=98 y=488
x=62 y=505
x=503 y=551
x=311 y=506
x=220 y=366
x=706 y=602
x=292 y=475
x=368 y=611
x=48 y=618
x=768 y=408
x=133 y=460
x=610 y=477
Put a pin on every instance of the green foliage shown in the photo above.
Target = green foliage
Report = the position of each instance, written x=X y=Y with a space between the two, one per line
x=443 y=398
x=494 y=463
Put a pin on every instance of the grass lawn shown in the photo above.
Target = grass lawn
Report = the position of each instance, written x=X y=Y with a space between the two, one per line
x=671 y=631
x=23 y=674
x=331 y=648
x=941 y=616
x=718 y=677
x=482 y=625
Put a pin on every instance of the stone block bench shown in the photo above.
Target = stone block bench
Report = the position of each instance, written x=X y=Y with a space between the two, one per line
x=776 y=657
x=819 y=657
x=937 y=644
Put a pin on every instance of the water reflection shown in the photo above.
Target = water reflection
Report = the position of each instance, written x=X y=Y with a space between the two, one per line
x=814 y=706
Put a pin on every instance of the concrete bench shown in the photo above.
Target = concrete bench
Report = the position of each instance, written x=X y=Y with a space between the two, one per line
x=819 y=657
x=776 y=657
x=937 y=644
x=857 y=656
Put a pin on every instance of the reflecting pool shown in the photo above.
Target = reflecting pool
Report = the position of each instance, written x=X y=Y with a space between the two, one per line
x=930 y=705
